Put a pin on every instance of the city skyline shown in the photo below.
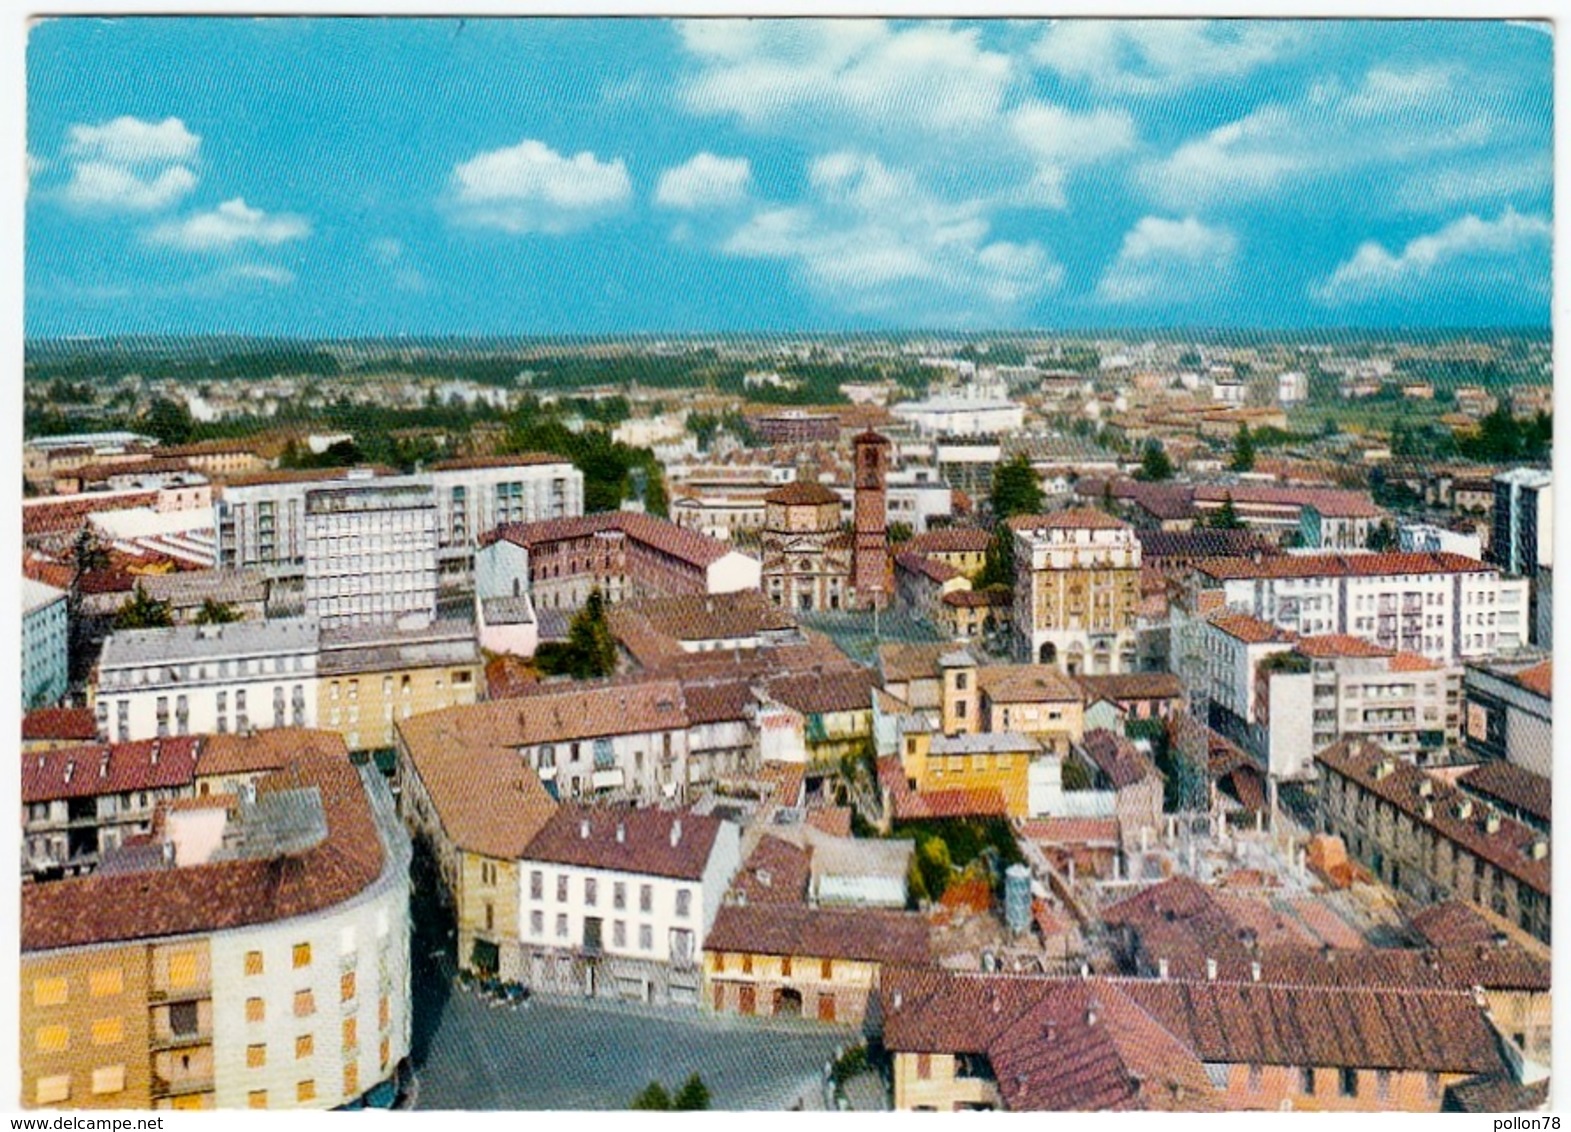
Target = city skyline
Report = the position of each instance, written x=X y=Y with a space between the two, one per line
x=603 y=177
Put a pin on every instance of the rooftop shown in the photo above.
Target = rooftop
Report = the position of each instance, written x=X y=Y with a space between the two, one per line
x=677 y=542
x=864 y=934
x=950 y=540
x=1075 y=518
x=1340 y=565
x=97 y=769
x=184 y=643
x=801 y=494
x=269 y=750
x=1515 y=786
x=647 y=842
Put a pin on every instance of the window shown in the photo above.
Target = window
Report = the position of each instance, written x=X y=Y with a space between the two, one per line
x=351 y=1079
x=255 y=1010
x=386 y=1052
x=1306 y=1081
x=305 y=1091
x=256 y=1098
x=619 y=933
x=785 y=966
x=747 y=963
x=561 y=926
x=305 y=1046
x=561 y=889
x=109 y=1079
x=52 y=1039
x=253 y=962
x=924 y=1066
x=351 y=1034
x=52 y=1090
x=302 y=955
x=256 y=1056
x=305 y=1003
x=49 y=992
x=108 y=1031
x=536 y=884
x=1383 y=1084
x=384 y=1011
x=1432 y=1085
x=646 y=897
x=537 y=922
x=684 y=902
x=826 y=969
x=1348 y=1081
x=646 y=937
x=1254 y=1078
x=591 y=891
x=619 y=895
x=346 y=984
x=105 y=982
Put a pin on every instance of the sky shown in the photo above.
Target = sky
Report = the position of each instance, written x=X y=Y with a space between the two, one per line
x=371 y=177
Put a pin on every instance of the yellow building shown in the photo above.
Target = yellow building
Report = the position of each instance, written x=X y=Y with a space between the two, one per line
x=979 y=761
x=1025 y=699
x=788 y=960
x=369 y=680
x=1077 y=591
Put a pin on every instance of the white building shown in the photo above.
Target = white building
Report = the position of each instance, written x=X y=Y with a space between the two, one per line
x=370 y=552
x=1441 y=606
x=45 y=644
x=616 y=904
x=191 y=679
x=1231 y=646
x=1292 y=388
x=962 y=415
x=1426 y=538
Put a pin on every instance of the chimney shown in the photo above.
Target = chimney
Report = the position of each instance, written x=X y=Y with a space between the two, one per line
x=154 y=759
x=997 y=1004
x=676 y=833
x=1254 y=970
x=621 y=833
x=1426 y=788
x=1210 y=970
x=1091 y=1011
x=898 y=1001
x=1161 y=969
x=70 y=769
x=1492 y=822
x=1464 y=808
x=1539 y=849
x=1429 y=811
x=1085 y=969
x=169 y=852
x=583 y=829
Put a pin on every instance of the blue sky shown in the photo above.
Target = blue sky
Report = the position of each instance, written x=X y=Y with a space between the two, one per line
x=366 y=177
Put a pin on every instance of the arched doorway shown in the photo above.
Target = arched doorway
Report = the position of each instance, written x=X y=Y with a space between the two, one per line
x=1048 y=653
x=788 y=1003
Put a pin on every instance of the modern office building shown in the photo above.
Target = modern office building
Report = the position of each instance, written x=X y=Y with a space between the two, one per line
x=370 y=553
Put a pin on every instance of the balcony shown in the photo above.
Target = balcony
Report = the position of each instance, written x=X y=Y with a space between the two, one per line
x=185 y=1086
x=178 y=994
x=200 y=1037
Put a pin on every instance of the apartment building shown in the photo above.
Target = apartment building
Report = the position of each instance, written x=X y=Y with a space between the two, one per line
x=370 y=553
x=971 y=765
x=1229 y=648
x=618 y=904
x=793 y=961
x=1032 y=1043
x=1523 y=535
x=204 y=972
x=80 y=802
x=1077 y=591
x=45 y=644
x=963 y=548
x=1442 y=606
x=624 y=554
x=1432 y=840
x=193 y=679
x=368 y=679
x=1509 y=711
x=477 y=494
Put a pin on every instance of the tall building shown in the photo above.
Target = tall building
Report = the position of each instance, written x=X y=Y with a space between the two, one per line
x=807 y=555
x=255 y=955
x=370 y=553
x=1524 y=528
x=1077 y=591
x=870 y=570
x=45 y=644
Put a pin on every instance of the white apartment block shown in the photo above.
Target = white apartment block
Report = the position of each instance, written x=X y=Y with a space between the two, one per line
x=1442 y=606
x=370 y=553
x=196 y=679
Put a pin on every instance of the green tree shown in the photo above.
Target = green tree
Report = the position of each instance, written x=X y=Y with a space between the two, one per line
x=1016 y=489
x=1243 y=451
x=656 y=502
x=590 y=650
x=899 y=532
x=1226 y=517
x=933 y=859
x=693 y=1096
x=1155 y=466
x=215 y=613
x=169 y=421
x=142 y=612
x=998 y=567
x=1381 y=537
x=654 y=1098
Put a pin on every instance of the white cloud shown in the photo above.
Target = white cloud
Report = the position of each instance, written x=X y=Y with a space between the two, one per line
x=530 y=187
x=102 y=184
x=129 y=164
x=934 y=77
x=1392 y=118
x=386 y=249
x=867 y=237
x=265 y=273
x=230 y=225
x=705 y=181
x=1151 y=57
x=132 y=141
x=1466 y=255
x=1167 y=262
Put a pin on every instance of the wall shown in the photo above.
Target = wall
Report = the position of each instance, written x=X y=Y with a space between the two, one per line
x=78 y=1012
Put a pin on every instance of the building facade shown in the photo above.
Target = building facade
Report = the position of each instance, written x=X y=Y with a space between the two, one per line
x=807 y=555
x=1077 y=591
x=45 y=644
x=367 y=680
x=370 y=553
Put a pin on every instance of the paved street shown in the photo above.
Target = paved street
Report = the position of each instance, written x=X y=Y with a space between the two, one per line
x=576 y=1054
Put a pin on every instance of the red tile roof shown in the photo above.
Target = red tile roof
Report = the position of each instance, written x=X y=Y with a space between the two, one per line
x=934 y=805
x=678 y=542
x=1340 y=565
x=872 y=935
x=934 y=569
x=98 y=769
x=1515 y=786
x=267 y=750
x=1117 y=758
x=221 y=895
x=1074 y=518
x=644 y=842
x=1328 y=645
x=1250 y=630
x=776 y=872
x=1539 y=679
x=950 y=540
x=522 y=460
x=1071 y=831
x=59 y=723
x=802 y=494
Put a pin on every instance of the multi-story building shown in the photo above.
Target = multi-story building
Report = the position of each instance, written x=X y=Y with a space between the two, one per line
x=617 y=904
x=795 y=426
x=370 y=553
x=367 y=679
x=46 y=639
x=1230 y=648
x=1029 y=1043
x=1077 y=591
x=80 y=802
x=256 y=956
x=972 y=763
x=478 y=494
x=1523 y=537
x=807 y=555
x=793 y=961
x=1508 y=712
x=1426 y=538
x=1431 y=840
x=242 y=593
x=964 y=548
x=624 y=554
x=191 y=679
x=1441 y=606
